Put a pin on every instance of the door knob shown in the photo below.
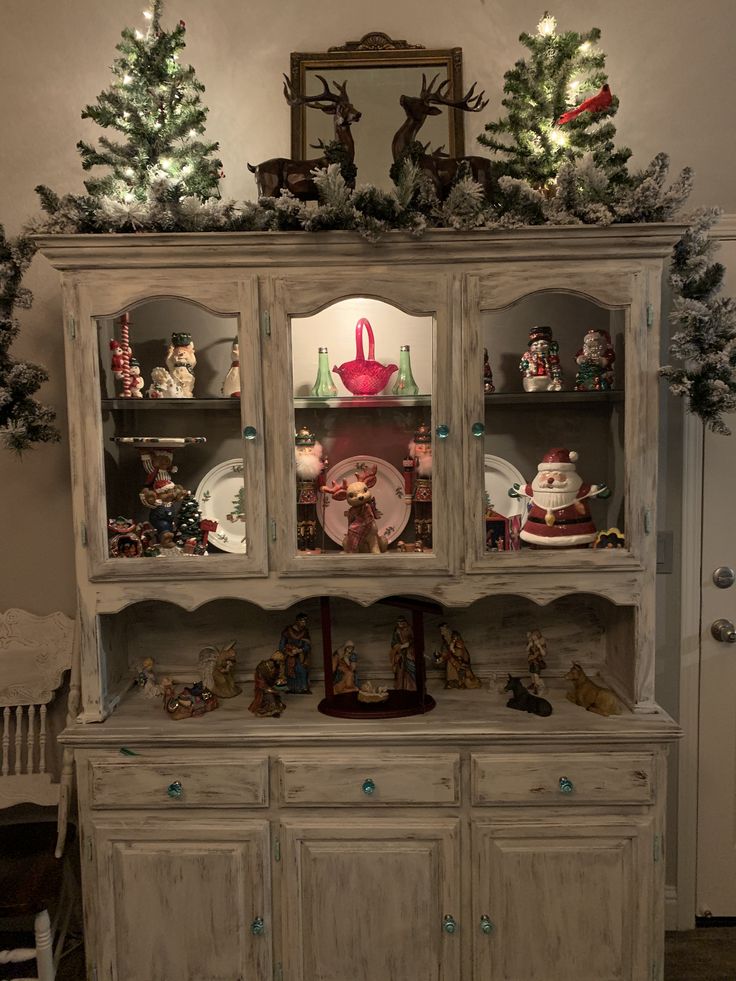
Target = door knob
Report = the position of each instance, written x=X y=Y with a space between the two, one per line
x=724 y=631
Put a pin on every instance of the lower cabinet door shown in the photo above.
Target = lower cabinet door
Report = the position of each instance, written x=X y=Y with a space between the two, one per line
x=182 y=900
x=563 y=900
x=367 y=899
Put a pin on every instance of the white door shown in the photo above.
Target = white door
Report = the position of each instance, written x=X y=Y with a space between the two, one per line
x=716 y=860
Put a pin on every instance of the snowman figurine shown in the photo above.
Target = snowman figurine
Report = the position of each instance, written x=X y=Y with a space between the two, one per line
x=540 y=364
x=559 y=516
x=231 y=384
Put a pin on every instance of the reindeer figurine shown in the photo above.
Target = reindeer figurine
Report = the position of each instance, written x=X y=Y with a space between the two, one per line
x=440 y=168
x=362 y=534
x=282 y=173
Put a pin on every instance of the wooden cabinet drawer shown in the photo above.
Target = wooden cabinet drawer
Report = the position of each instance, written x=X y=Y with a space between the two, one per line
x=369 y=779
x=557 y=778
x=167 y=782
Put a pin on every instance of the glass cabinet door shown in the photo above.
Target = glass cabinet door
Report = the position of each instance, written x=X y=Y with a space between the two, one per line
x=552 y=429
x=366 y=440
x=180 y=436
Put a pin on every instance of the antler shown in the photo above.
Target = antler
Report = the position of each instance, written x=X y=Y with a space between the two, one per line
x=470 y=102
x=326 y=101
x=367 y=476
x=335 y=488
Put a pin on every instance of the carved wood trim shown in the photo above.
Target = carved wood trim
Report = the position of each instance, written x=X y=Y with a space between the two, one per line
x=376 y=41
x=35 y=651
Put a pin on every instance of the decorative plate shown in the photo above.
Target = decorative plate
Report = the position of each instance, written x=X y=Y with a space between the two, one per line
x=221 y=497
x=388 y=490
x=500 y=476
x=171 y=441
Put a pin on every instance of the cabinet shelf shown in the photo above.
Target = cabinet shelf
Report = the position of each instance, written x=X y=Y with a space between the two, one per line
x=553 y=398
x=362 y=402
x=157 y=405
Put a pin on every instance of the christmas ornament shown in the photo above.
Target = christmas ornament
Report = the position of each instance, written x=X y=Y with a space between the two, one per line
x=602 y=100
x=558 y=515
x=595 y=363
x=540 y=365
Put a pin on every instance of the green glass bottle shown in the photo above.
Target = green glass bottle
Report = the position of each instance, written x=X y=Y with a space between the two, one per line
x=405 y=384
x=324 y=387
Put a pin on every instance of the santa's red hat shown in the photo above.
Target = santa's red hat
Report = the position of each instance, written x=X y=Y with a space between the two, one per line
x=558 y=459
x=163 y=484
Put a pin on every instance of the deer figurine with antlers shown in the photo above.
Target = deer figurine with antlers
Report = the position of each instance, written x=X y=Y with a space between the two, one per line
x=362 y=514
x=282 y=173
x=440 y=168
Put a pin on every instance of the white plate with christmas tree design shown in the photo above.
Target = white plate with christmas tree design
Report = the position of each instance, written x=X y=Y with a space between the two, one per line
x=391 y=500
x=221 y=496
x=500 y=476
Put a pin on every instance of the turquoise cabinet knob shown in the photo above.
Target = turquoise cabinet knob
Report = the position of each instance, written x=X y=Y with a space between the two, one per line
x=442 y=431
x=485 y=924
x=566 y=785
x=448 y=924
x=175 y=790
x=249 y=432
x=369 y=786
x=478 y=429
x=257 y=927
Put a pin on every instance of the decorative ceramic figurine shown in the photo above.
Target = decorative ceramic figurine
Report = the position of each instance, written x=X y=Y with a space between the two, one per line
x=231 y=385
x=540 y=365
x=122 y=359
x=345 y=668
x=418 y=483
x=310 y=467
x=498 y=537
x=558 y=515
x=536 y=652
x=136 y=379
x=589 y=695
x=296 y=645
x=161 y=498
x=125 y=539
x=595 y=363
x=189 y=703
x=523 y=700
x=181 y=362
x=611 y=538
x=454 y=655
x=163 y=385
x=402 y=656
x=217 y=667
x=146 y=680
x=370 y=693
x=362 y=513
x=488 y=387
x=266 y=700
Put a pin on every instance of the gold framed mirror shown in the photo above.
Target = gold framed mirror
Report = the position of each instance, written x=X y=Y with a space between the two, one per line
x=377 y=70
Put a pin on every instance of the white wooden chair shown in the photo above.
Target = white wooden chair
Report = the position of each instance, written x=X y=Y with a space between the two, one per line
x=34 y=654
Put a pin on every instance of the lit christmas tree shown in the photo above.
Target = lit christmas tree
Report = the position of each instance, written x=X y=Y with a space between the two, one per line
x=155 y=104
x=559 y=108
x=23 y=419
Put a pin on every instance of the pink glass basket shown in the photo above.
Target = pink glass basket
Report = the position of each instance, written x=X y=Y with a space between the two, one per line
x=365 y=376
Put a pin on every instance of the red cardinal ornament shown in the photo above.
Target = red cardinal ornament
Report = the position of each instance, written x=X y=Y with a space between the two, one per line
x=595 y=103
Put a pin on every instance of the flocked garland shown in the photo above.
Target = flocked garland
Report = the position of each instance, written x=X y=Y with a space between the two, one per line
x=544 y=175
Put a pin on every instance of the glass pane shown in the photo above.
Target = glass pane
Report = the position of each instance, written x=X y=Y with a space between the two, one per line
x=170 y=383
x=362 y=377
x=554 y=424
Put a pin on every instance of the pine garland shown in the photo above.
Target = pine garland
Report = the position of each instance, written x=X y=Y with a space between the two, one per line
x=705 y=327
x=23 y=419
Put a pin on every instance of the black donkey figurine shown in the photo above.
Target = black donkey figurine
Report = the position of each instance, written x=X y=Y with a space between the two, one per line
x=523 y=700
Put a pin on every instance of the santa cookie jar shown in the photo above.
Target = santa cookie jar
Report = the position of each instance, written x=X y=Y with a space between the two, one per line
x=559 y=516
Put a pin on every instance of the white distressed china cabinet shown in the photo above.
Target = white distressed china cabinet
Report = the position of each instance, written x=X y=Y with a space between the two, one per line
x=469 y=843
